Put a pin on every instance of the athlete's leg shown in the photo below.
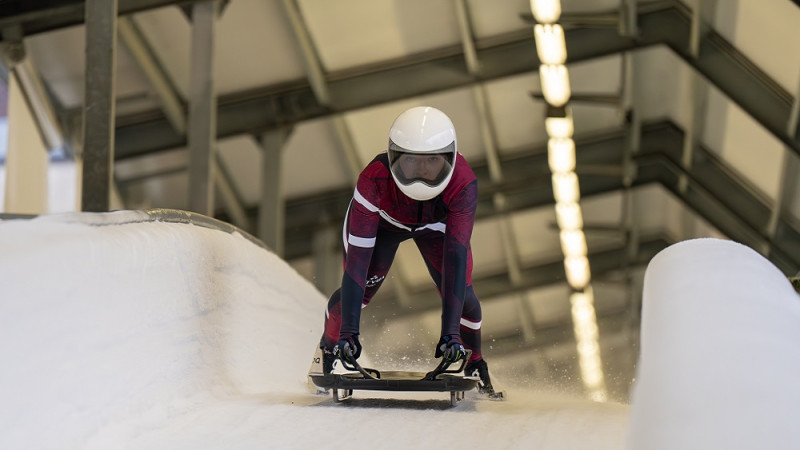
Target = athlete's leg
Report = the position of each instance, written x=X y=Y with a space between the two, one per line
x=431 y=246
x=471 y=324
x=386 y=244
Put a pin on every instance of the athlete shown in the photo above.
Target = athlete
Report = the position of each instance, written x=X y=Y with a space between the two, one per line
x=421 y=188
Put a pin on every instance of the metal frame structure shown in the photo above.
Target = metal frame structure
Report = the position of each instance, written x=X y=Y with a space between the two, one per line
x=636 y=155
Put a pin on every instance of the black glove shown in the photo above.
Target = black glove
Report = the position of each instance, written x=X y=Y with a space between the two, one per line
x=348 y=348
x=450 y=348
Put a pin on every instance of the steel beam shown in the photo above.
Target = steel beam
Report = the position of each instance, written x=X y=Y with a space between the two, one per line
x=660 y=23
x=316 y=75
x=40 y=16
x=726 y=68
x=98 y=125
x=273 y=106
x=142 y=52
x=41 y=105
x=272 y=208
x=202 y=108
x=230 y=201
x=327 y=256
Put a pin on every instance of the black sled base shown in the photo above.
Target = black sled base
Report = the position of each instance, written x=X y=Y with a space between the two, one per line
x=343 y=385
x=439 y=380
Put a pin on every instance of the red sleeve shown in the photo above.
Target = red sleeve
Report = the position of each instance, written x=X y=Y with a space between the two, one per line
x=460 y=220
x=362 y=229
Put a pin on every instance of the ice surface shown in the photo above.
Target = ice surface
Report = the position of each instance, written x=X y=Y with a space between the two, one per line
x=118 y=333
x=720 y=352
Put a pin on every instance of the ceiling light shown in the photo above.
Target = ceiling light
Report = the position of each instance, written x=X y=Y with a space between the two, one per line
x=569 y=216
x=561 y=154
x=546 y=11
x=573 y=243
x=565 y=187
x=558 y=122
x=550 y=44
x=584 y=319
x=555 y=84
x=583 y=314
x=577 y=269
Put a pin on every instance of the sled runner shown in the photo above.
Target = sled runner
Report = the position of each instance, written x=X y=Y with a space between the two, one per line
x=441 y=379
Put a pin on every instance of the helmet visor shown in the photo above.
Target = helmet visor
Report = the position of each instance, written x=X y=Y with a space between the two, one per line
x=430 y=168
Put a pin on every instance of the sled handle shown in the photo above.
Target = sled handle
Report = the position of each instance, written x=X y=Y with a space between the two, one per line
x=443 y=367
x=349 y=363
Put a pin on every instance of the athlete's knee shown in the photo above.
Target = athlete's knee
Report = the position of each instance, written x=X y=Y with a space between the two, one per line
x=472 y=307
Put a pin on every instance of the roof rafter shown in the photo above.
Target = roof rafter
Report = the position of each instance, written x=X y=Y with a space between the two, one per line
x=661 y=23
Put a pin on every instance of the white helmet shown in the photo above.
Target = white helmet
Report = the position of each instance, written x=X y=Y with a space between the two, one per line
x=422 y=152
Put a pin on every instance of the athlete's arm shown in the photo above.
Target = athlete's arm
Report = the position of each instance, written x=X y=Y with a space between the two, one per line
x=363 y=222
x=460 y=220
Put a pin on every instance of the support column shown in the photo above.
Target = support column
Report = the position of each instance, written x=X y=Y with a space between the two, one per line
x=271 y=208
x=327 y=258
x=26 y=161
x=98 y=107
x=230 y=201
x=202 y=108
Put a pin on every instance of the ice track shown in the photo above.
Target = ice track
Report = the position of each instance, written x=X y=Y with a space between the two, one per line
x=158 y=331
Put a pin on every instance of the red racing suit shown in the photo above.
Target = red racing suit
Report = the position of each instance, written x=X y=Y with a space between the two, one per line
x=378 y=219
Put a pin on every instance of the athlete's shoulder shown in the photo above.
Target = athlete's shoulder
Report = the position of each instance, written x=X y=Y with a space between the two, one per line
x=462 y=173
x=378 y=168
x=464 y=182
x=375 y=181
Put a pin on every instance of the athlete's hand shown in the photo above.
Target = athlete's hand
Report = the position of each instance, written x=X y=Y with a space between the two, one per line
x=348 y=348
x=450 y=348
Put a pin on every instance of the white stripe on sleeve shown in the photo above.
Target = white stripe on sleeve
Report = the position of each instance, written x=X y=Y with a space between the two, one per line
x=470 y=324
x=364 y=202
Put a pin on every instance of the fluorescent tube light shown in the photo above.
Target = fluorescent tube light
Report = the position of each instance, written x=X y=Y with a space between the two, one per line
x=569 y=216
x=558 y=122
x=577 y=269
x=561 y=154
x=550 y=44
x=555 y=84
x=573 y=243
x=565 y=187
x=546 y=11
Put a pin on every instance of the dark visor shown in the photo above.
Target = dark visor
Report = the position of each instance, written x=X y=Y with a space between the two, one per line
x=428 y=168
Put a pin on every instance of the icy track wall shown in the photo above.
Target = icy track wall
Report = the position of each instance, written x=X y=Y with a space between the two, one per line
x=720 y=352
x=103 y=321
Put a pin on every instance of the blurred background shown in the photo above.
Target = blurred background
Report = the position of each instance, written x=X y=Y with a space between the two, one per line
x=601 y=132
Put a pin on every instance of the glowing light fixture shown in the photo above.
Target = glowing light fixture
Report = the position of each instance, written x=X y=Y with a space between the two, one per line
x=573 y=243
x=555 y=84
x=546 y=11
x=554 y=79
x=550 y=44
x=565 y=187
x=561 y=154
x=584 y=320
x=558 y=122
x=578 y=274
x=569 y=216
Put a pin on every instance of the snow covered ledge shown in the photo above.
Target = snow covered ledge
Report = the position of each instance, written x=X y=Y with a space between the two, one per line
x=136 y=316
x=720 y=352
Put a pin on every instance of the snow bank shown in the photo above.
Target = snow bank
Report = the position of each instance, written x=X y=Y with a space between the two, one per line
x=143 y=330
x=720 y=357
x=105 y=318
